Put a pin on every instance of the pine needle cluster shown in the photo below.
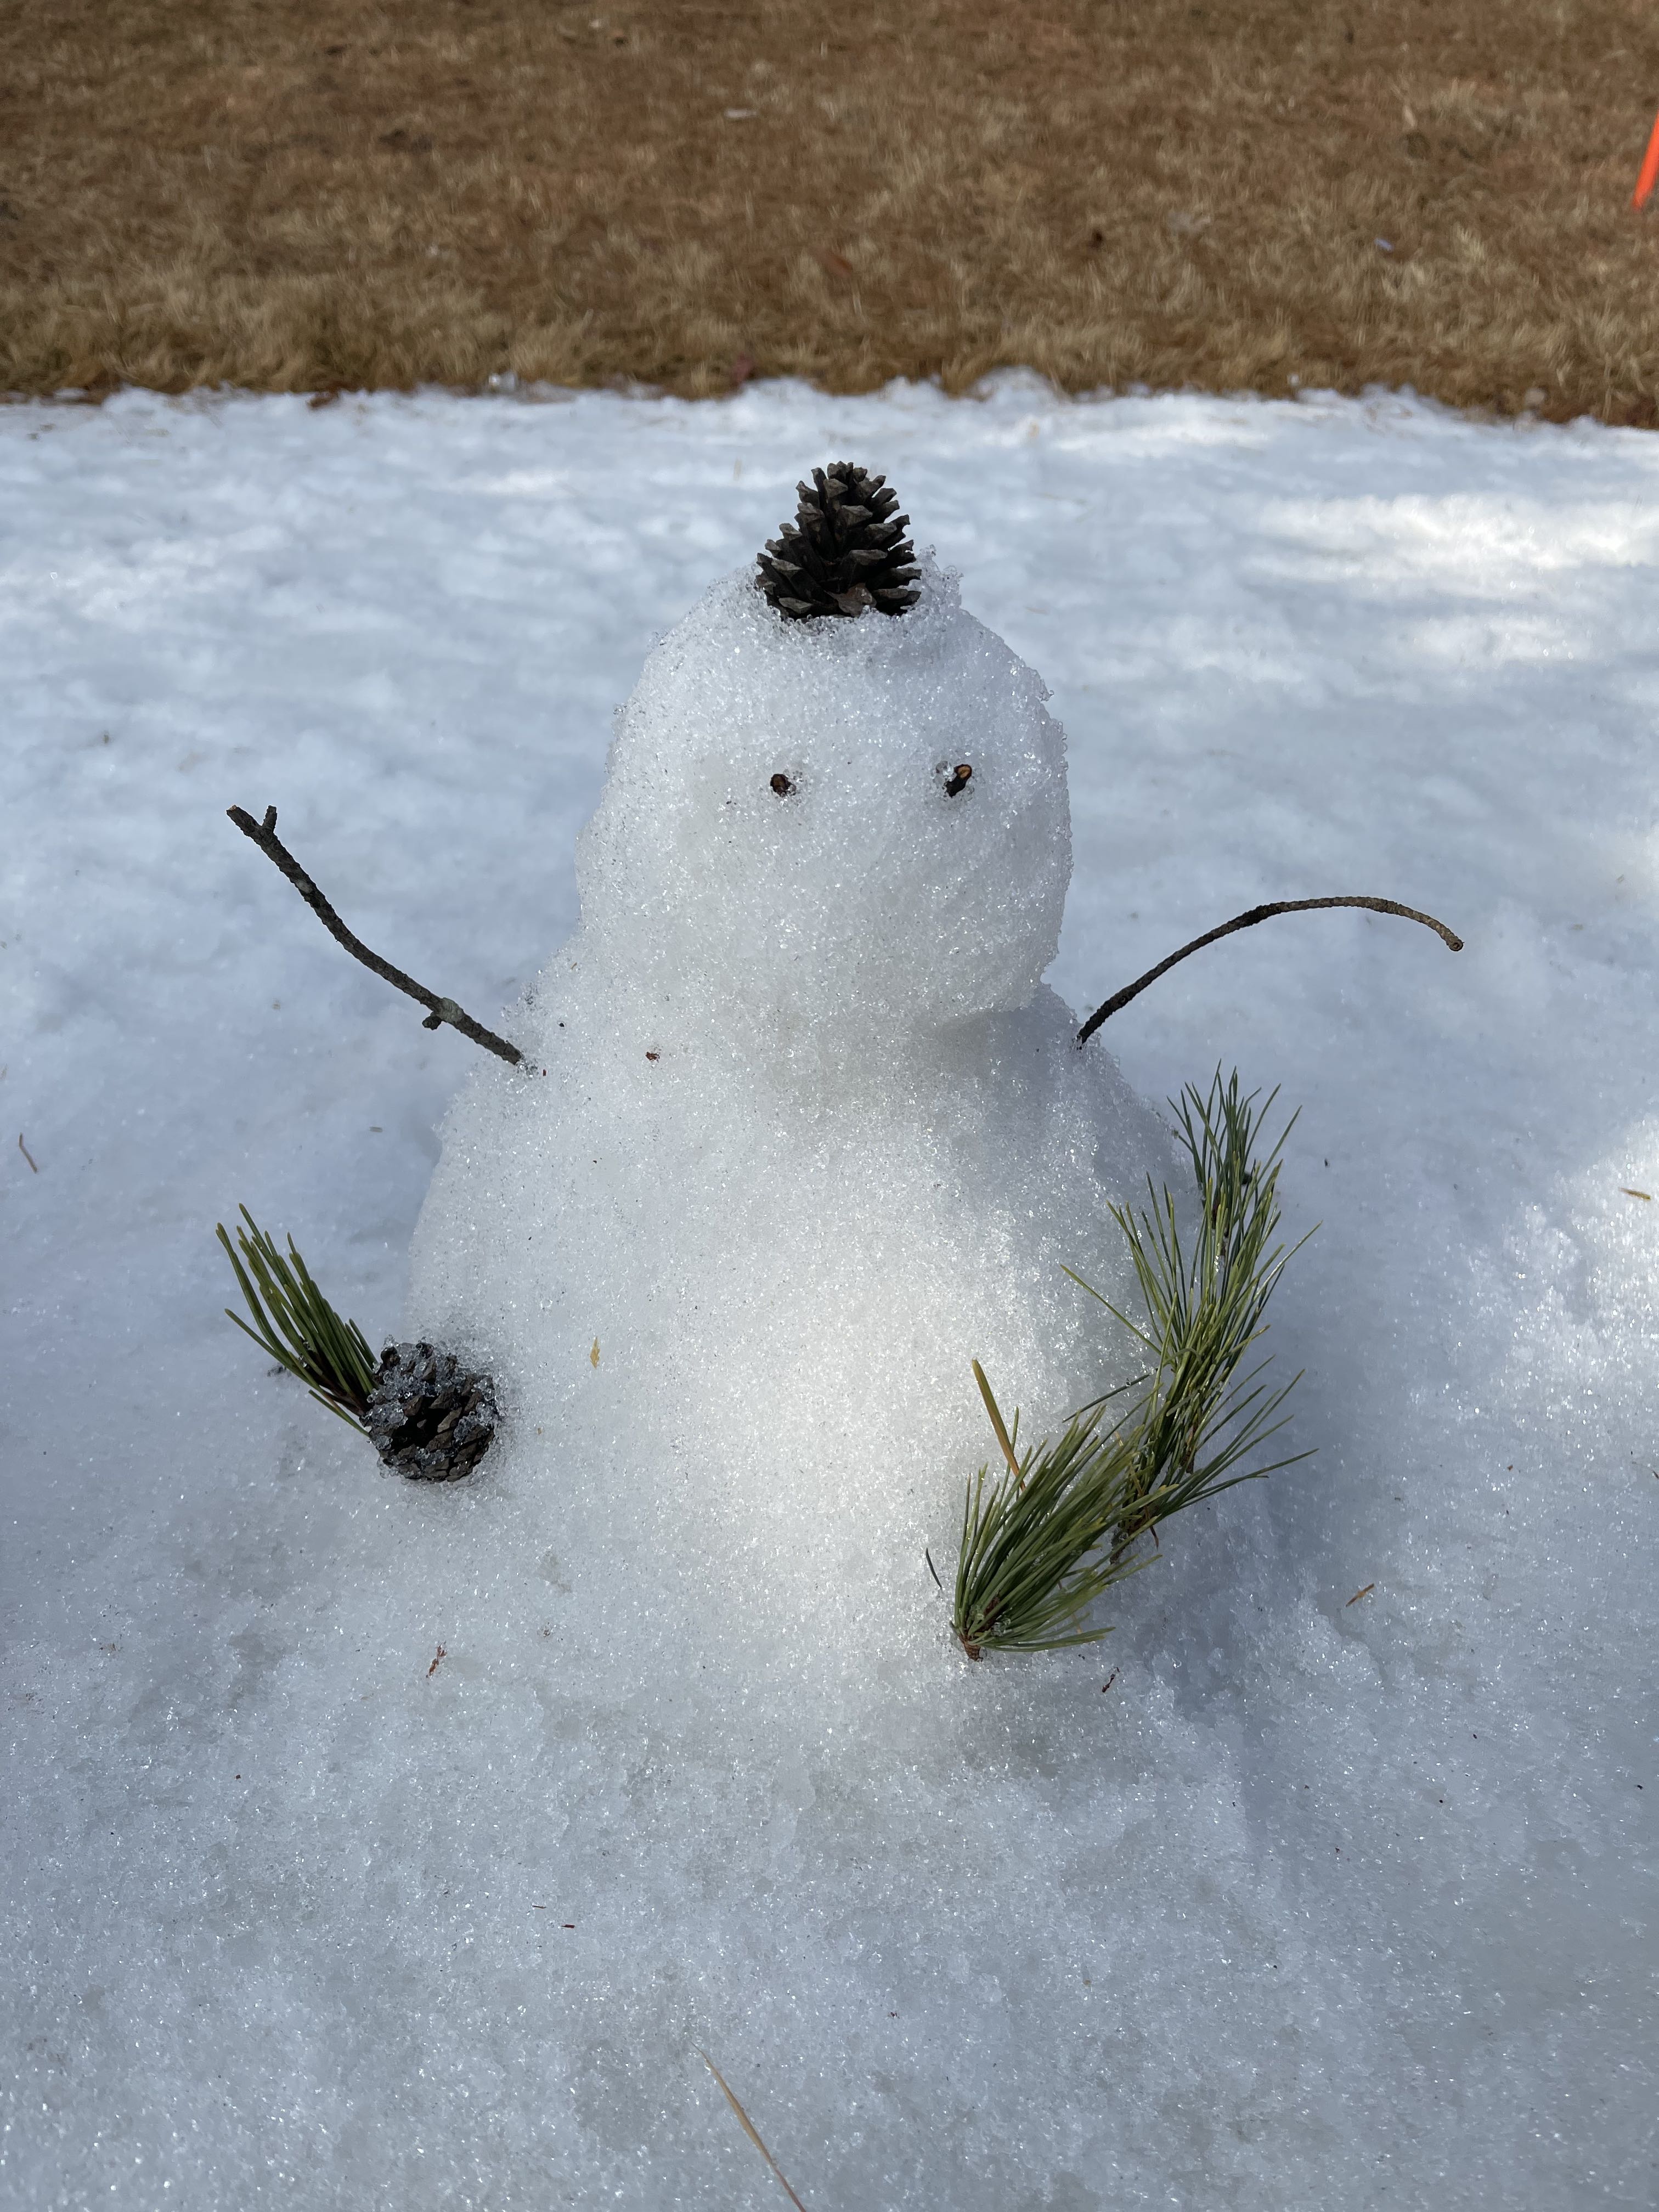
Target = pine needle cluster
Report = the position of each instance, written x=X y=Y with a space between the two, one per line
x=427 y=1416
x=296 y=1325
x=1066 y=1520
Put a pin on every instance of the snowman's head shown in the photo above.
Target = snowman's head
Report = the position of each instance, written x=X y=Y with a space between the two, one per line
x=857 y=827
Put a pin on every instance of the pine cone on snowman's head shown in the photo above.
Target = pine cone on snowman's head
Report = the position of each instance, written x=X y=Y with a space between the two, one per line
x=845 y=550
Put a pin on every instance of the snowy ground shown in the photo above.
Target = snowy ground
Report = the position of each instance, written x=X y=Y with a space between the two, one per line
x=1368 y=1918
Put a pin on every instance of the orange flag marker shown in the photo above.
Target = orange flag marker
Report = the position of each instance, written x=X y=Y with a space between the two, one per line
x=1649 y=176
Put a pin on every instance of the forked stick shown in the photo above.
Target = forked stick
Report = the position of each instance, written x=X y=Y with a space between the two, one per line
x=1246 y=922
x=263 y=835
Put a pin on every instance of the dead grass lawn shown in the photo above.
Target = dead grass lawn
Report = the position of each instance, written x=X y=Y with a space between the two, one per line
x=296 y=194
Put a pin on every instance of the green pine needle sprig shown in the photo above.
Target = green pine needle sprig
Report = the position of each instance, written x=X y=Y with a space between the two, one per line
x=296 y=1325
x=1035 y=1552
x=1204 y=1299
x=1062 y=1524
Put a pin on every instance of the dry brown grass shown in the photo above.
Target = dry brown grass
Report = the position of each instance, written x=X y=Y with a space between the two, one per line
x=305 y=193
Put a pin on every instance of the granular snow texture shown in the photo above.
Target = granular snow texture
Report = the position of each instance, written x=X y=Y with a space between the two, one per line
x=379 y=1844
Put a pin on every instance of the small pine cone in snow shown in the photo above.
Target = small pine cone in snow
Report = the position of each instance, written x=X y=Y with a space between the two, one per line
x=427 y=1416
x=845 y=550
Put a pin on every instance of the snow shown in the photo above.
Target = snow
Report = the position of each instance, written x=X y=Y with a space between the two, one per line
x=1321 y=1901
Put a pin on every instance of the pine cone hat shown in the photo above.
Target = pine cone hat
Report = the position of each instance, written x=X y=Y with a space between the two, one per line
x=844 y=551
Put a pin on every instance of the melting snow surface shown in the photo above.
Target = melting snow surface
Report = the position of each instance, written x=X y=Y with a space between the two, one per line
x=1320 y=1902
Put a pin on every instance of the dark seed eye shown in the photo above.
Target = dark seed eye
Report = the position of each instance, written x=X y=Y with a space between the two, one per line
x=958 y=779
x=782 y=785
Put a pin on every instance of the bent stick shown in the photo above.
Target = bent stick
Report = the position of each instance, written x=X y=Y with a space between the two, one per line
x=442 y=1010
x=1247 y=921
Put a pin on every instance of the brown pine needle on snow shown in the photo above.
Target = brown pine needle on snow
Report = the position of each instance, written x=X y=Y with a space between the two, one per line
x=24 y=1151
x=749 y=2129
x=997 y=1423
x=1359 y=1593
x=1624 y=1186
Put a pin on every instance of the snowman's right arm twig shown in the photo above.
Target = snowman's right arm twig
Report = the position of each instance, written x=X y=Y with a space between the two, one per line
x=442 y=1010
x=1245 y=922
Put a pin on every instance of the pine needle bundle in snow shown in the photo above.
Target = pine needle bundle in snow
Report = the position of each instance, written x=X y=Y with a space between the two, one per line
x=1062 y=1524
x=428 y=1418
x=845 y=550
x=296 y=1325
x=1037 y=1553
x=1205 y=1308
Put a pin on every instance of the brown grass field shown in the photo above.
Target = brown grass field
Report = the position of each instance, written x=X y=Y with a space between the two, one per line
x=315 y=194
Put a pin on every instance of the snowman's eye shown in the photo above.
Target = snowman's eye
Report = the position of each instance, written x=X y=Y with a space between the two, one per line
x=958 y=779
x=782 y=785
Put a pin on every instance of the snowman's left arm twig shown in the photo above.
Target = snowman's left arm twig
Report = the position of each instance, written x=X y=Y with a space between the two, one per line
x=442 y=1010
x=1246 y=920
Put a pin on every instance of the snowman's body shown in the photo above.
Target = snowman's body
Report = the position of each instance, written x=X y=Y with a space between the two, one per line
x=801 y=1131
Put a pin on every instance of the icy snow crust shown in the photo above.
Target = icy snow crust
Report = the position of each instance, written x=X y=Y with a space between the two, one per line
x=800 y=1134
x=1321 y=1903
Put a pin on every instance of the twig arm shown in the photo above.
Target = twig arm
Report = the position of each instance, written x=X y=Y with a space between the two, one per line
x=1247 y=921
x=441 y=1009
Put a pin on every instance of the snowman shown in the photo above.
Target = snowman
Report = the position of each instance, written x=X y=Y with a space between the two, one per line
x=800 y=1130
